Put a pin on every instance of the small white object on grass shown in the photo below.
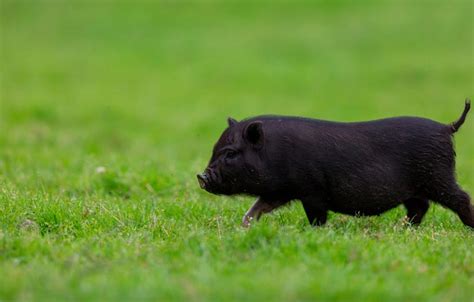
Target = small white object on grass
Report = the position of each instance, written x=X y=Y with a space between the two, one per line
x=100 y=170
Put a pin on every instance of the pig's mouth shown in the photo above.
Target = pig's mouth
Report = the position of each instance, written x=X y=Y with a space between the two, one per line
x=202 y=179
x=206 y=182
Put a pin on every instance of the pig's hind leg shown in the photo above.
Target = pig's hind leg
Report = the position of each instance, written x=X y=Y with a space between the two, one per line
x=416 y=209
x=441 y=187
x=458 y=201
x=445 y=191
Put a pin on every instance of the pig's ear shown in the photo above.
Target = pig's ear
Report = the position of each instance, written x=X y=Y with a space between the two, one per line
x=253 y=134
x=231 y=121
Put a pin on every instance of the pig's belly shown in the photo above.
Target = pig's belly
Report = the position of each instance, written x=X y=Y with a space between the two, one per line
x=356 y=195
x=363 y=207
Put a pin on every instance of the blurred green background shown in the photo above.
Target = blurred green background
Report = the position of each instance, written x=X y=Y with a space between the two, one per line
x=109 y=108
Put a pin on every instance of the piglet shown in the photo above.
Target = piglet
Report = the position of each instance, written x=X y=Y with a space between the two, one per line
x=361 y=168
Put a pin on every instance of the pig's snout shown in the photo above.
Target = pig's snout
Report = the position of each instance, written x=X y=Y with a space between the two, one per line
x=203 y=180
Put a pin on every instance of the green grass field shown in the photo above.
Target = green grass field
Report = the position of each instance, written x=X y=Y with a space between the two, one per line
x=144 y=90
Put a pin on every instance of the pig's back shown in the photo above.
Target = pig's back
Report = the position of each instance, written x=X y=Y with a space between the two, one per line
x=401 y=139
x=382 y=133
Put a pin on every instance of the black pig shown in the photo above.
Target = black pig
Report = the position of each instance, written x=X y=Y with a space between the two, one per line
x=362 y=168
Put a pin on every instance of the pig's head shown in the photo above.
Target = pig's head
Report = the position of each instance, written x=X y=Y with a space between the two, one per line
x=236 y=165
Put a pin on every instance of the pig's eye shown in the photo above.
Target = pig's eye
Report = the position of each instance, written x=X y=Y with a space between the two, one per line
x=231 y=154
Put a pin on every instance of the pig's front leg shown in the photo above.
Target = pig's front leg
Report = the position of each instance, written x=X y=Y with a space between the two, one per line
x=315 y=209
x=255 y=212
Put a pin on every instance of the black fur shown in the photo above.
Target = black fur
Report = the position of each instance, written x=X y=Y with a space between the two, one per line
x=363 y=168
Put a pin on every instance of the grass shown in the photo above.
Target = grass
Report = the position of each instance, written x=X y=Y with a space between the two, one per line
x=108 y=110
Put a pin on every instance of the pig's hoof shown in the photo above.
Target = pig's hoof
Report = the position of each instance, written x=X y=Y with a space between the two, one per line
x=246 y=220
